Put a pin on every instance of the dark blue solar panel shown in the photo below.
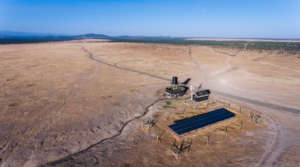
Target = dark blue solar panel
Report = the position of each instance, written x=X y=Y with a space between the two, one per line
x=199 y=121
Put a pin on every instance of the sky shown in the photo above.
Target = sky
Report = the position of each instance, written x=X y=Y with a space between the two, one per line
x=184 y=18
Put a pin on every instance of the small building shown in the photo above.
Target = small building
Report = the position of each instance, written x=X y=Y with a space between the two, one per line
x=201 y=95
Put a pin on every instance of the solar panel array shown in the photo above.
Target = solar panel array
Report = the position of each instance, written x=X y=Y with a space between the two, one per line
x=186 y=125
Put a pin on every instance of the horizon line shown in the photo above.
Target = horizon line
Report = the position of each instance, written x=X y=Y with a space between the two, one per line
x=165 y=36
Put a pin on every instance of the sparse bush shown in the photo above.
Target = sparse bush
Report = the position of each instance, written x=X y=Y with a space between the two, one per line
x=168 y=102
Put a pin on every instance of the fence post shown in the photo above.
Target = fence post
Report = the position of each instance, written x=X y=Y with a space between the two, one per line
x=241 y=125
x=208 y=135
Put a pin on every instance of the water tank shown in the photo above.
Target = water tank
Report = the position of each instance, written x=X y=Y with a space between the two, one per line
x=174 y=80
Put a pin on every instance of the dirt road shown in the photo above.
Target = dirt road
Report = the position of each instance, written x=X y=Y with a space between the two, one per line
x=284 y=119
x=59 y=100
x=271 y=152
x=91 y=56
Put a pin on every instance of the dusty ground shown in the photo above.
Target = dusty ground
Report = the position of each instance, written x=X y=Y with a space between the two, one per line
x=152 y=146
x=57 y=99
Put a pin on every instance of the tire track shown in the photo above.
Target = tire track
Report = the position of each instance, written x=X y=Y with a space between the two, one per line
x=259 y=103
x=147 y=109
x=279 y=66
x=91 y=56
x=272 y=142
x=230 y=67
x=251 y=101
x=270 y=147
x=273 y=148
x=70 y=156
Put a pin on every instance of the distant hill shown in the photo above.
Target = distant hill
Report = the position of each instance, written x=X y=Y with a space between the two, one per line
x=97 y=36
x=9 y=37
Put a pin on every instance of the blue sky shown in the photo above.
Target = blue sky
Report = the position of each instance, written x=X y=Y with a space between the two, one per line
x=211 y=18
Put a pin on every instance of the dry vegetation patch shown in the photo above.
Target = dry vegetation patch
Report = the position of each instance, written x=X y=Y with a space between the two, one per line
x=232 y=142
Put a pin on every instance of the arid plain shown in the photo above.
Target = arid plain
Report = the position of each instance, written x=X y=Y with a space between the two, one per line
x=82 y=103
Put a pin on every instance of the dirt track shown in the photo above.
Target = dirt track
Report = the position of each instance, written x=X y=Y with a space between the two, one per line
x=284 y=132
x=273 y=142
x=123 y=68
x=86 y=111
x=67 y=158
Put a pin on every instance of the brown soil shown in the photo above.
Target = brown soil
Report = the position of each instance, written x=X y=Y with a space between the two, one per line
x=59 y=98
x=229 y=140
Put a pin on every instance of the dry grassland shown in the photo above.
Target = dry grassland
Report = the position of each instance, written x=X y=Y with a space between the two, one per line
x=59 y=98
